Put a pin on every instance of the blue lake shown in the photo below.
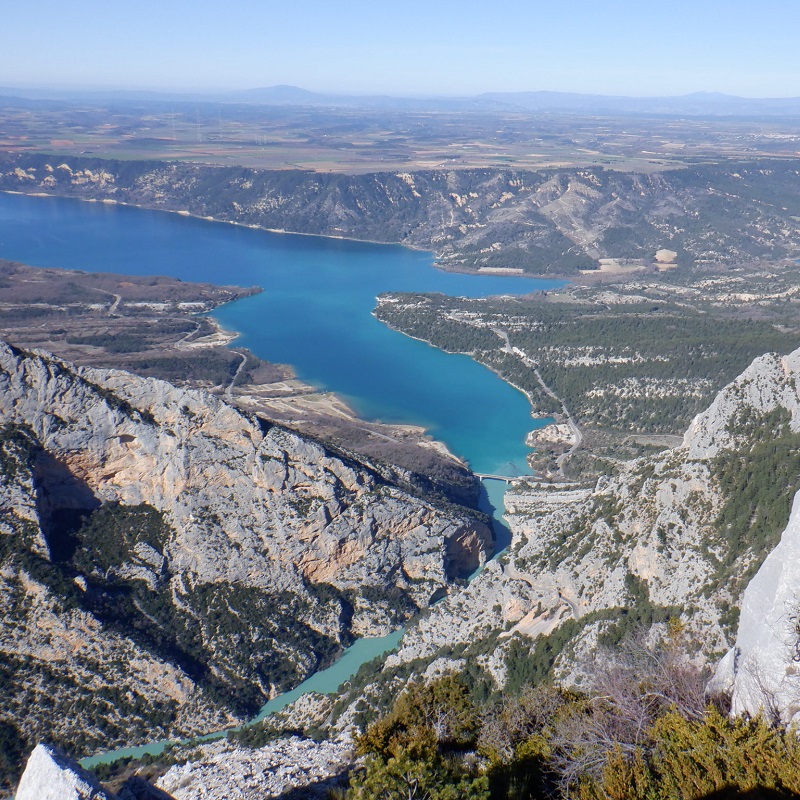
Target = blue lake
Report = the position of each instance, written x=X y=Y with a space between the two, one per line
x=314 y=313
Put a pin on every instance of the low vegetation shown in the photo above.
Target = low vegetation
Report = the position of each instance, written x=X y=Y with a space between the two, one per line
x=644 y=367
x=637 y=368
x=757 y=483
x=642 y=728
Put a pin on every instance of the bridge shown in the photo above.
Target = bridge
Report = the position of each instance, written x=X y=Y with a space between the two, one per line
x=507 y=478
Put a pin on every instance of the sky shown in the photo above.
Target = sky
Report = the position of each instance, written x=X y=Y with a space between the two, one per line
x=407 y=47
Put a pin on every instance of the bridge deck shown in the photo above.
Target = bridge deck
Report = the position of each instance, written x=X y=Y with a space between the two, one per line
x=506 y=478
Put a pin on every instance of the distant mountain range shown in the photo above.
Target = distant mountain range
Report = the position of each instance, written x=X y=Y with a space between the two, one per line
x=696 y=104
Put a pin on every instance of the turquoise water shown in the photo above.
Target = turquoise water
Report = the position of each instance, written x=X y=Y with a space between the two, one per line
x=314 y=313
x=324 y=682
x=329 y=680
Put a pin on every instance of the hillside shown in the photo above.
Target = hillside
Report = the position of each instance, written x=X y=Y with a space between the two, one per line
x=676 y=535
x=623 y=369
x=672 y=545
x=186 y=560
x=548 y=222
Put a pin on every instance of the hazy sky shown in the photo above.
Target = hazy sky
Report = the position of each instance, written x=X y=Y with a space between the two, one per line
x=630 y=47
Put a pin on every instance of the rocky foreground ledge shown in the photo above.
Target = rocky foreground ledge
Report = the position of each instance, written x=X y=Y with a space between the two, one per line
x=51 y=775
x=303 y=767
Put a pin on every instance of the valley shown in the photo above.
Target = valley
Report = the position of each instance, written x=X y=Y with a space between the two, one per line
x=158 y=530
x=261 y=522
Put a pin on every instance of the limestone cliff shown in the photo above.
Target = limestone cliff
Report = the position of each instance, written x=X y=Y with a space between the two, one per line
x=762 y=670
x=673 y=535
x=185 y=560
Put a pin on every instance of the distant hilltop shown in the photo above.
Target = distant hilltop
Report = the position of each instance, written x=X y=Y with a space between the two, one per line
x=695 y=104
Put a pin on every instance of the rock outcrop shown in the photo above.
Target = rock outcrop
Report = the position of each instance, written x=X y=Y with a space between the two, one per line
x=761 y=672
x=50 y=775
x=186 y=560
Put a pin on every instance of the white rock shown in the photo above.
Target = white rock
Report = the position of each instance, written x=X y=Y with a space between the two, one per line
x=225 y=771
x=50 y=775
x=762 y=671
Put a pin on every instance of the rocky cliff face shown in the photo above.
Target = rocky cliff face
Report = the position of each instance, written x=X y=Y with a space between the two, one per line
x=675 y=535
x=762 y=670
x=184 y=559
x=553 y=221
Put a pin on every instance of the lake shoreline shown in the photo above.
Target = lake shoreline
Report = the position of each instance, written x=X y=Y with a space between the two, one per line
x=547 y=420
x=435 y=442
x=579 y=278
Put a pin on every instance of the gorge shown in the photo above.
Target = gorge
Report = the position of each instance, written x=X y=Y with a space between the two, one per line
x=654 y=539
x=489 y=429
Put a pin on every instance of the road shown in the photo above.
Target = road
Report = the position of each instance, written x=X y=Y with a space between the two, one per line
x=229 y=389
x=112 y=310
x=523 y=357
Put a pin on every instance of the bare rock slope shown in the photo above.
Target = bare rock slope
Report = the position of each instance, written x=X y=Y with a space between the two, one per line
x=169 y=563
x=762 y=670
x=679 y=534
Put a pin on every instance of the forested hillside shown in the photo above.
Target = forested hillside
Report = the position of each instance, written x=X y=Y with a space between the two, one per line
x=549 y=222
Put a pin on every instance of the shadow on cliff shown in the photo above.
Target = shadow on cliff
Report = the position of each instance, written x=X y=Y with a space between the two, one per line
x=136 y=788
x=321 y=790
x=63 y=501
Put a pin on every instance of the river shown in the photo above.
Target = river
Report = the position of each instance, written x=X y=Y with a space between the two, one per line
x=315 y=313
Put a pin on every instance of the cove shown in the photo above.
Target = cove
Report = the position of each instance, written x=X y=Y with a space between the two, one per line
x=315 y=312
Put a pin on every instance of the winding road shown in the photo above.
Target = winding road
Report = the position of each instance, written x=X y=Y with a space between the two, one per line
x=528 y=362
x=229 y=389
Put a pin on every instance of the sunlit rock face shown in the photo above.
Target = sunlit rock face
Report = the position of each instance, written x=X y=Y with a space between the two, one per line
x=249 y=501
x=50 y=775
x=762 y=670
